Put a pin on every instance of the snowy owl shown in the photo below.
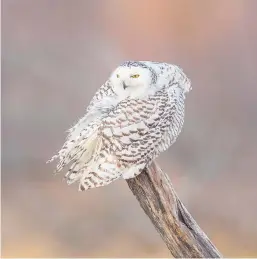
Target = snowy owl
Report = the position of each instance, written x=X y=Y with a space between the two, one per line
x=134 y=116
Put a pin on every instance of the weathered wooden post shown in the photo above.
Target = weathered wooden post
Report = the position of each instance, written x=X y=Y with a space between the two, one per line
x=178 y=229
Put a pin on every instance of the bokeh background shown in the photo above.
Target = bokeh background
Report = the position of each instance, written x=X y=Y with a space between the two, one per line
x=56 y=53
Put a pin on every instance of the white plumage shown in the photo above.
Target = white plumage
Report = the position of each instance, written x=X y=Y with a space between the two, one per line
x=137 y=114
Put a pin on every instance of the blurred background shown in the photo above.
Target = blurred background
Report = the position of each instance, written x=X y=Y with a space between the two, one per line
x=56 y=53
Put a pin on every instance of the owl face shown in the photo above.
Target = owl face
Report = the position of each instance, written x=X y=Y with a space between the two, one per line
x=131 y=81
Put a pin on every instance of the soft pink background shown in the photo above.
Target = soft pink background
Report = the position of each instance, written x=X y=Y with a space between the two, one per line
x=56 y=53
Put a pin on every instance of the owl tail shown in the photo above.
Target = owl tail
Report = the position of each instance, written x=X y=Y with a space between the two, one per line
x=98 y=178
x=93 y=168
x=104 y=170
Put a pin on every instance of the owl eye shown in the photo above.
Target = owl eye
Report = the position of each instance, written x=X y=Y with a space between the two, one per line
x=135 y=76
x=118 y=76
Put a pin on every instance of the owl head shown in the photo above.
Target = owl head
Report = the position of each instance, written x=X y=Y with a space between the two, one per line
x=138 y=79
x=133 y=79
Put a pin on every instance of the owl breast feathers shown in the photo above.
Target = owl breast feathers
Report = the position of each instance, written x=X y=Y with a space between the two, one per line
x=137 y=114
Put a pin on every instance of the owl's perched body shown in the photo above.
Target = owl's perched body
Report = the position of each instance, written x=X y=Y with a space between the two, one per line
x=137 y=114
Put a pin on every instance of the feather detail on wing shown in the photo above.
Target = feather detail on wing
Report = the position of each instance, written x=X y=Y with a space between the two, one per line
x=134 y=129
x=99 y=107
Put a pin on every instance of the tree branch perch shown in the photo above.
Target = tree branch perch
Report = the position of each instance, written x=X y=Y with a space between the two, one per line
x=178 y=229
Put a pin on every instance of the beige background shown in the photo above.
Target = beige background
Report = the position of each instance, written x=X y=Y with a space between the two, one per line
x=56 y=53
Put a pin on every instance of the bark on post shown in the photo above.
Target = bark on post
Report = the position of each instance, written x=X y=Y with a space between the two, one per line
x=179 y=231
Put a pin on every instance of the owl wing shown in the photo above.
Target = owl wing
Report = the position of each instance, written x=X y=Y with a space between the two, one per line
x=133 y=131
x=126 y=140
x=99 y=106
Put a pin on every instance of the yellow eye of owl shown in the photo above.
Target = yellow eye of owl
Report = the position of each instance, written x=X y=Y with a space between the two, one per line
x=135 y=76
x=118 y=76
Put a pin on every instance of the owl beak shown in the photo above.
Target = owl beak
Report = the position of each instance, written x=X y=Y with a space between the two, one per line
x=124 y=85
